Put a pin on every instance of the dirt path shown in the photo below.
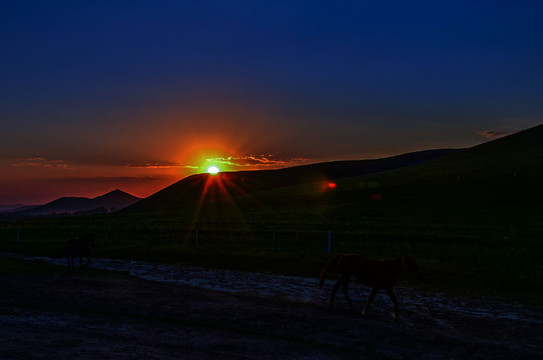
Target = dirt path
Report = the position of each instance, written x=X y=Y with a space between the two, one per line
x=180 y=312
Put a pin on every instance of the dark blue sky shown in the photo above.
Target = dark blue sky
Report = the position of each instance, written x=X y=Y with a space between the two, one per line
x=105 y=84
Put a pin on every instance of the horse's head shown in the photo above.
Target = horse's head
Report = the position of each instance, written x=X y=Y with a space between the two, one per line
x=411 y=266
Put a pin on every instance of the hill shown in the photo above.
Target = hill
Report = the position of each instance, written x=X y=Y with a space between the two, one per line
x=519 y=155
x=505 y=173
x=491 y=191
x=110 y=202
x=231 y=184
x=499 y=172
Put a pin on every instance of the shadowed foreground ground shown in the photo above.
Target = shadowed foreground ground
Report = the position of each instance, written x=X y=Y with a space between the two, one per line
x=88 y=316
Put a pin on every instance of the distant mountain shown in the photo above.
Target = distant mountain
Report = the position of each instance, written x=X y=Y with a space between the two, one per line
x=190 y=189
x=110 y=202
x=15 y=207
x=115 y=200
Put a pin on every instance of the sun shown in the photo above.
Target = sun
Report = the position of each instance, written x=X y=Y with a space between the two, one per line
x=213 y=170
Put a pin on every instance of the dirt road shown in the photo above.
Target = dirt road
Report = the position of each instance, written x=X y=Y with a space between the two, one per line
x=178 y=312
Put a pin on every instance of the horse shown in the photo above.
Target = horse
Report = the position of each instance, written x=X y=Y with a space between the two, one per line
x=77 y=247
x=379 y=274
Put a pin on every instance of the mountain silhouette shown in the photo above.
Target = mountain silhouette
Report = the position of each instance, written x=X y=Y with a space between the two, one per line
x=110 y=202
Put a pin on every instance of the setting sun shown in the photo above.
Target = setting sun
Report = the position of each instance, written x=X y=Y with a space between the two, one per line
x=213 y=170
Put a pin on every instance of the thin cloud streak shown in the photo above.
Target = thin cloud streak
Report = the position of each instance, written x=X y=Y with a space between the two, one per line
x=157 y=165
x=259 y=161
x=491 y=134
x=112 y=179
x=40 y=162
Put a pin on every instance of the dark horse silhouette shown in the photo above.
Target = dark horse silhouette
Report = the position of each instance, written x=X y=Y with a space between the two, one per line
x=379 y=274
x=77 y=247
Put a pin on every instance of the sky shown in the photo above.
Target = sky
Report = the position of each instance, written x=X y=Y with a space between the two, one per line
x=136 y=95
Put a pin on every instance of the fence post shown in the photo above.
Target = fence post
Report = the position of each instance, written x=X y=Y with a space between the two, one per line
x=329 y=241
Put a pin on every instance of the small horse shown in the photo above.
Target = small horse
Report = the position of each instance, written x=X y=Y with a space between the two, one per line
x=78 y=248
x=379 y=274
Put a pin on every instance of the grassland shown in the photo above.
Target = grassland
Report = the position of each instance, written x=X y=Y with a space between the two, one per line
x=465 y=237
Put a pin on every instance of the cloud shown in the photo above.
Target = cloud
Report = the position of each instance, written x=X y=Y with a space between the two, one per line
x=143 y=178
x=40 y=162
x=158 y=165
x=259 y=161
x=115 y=179
x=490 y=134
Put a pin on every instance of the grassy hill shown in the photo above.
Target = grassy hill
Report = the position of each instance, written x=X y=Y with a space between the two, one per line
x=518 y=155
x=502 y=171
x=189 y=191
x=493 y=185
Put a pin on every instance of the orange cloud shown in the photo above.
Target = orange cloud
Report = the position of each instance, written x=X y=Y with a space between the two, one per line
x=157 y=165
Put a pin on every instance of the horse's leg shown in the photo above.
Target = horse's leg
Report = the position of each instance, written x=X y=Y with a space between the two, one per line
x=334 y=290
x=370 y=299
x=345 y=287
x=394 y=301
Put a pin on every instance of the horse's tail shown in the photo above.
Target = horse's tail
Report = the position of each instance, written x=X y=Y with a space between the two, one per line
x=330 y=266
